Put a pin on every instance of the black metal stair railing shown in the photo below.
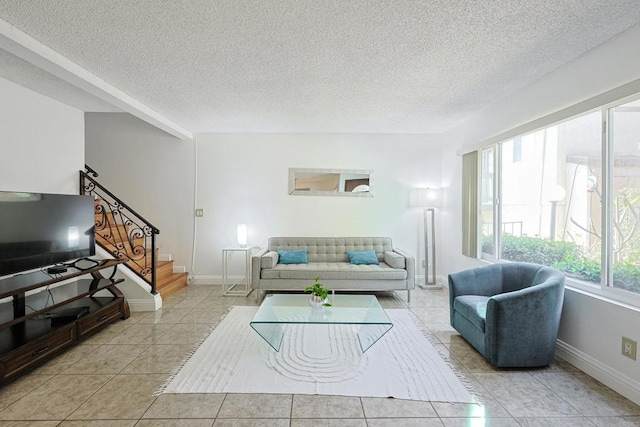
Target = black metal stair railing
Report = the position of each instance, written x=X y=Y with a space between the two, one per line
x=122 y=231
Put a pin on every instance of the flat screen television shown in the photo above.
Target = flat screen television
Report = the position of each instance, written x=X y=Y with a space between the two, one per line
x=39 y=230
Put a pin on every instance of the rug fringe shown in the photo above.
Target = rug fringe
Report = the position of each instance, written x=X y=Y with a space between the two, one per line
x=189 y=355
x=434 y=341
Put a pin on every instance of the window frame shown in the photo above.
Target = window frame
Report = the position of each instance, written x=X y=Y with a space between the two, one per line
x=497 y=213
x=605 y=289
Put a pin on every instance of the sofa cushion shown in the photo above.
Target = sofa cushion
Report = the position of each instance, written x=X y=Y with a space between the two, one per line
x=394 y=260
x=298 y=256
x=362 y=257
x=333 y=271
x=473 y=308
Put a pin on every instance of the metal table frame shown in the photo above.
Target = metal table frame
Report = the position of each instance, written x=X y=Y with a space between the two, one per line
x=242 y=288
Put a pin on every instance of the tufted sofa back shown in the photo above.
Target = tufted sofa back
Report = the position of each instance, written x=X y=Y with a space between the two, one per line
x=332 y=249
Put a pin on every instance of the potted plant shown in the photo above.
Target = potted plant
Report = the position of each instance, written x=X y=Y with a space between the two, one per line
x=319 y=294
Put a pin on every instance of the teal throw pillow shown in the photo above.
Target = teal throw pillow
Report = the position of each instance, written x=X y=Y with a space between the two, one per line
x=362 y=257
x=298 y=256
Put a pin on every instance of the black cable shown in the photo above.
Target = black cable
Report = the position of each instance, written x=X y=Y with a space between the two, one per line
x=74 y=264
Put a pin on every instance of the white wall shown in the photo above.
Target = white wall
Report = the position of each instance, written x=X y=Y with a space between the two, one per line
x=244 y=179
x=42 y=142
x=591 y=328
x=149 y=170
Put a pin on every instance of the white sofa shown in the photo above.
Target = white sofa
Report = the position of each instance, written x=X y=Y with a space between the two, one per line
x=327 y=258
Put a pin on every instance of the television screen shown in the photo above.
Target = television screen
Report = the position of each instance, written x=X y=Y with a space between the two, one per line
x=39 y=230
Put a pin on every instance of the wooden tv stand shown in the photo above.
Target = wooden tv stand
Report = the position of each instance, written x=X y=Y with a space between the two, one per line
x=34 y=327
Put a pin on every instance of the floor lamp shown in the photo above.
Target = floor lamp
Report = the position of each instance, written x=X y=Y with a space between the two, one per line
x=429 y=199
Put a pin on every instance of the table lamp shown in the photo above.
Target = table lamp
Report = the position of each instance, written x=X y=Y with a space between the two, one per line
x=242 y=235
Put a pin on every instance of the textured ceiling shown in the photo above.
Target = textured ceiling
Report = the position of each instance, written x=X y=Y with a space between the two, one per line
x=370 y=66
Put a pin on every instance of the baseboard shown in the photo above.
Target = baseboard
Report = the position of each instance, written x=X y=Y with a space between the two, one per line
x=441 y=282
x=208 y=279
x=148 y=304
x=179 y=269
x=430 y=287
x=444 y=280
x=607 y=375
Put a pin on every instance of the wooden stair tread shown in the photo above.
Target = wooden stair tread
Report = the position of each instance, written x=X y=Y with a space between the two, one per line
x=172 y=284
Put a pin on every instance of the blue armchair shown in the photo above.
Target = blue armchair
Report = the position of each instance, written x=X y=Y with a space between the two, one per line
x=509 y=312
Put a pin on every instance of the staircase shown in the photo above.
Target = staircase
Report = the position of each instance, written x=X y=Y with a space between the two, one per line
x=126 y=235
x=121 y=242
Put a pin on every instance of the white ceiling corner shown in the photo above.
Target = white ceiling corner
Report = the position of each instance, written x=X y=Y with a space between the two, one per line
x=29 y=62
x=363 y=66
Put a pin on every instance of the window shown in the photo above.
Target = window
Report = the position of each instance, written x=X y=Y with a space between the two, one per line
x=624 y=124
x=517 y=149
x=552 y=197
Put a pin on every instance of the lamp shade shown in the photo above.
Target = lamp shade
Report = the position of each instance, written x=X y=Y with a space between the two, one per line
x=242 y=235
x=426 y=197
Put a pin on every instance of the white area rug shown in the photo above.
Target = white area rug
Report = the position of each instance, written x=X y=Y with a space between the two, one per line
x=319 y=359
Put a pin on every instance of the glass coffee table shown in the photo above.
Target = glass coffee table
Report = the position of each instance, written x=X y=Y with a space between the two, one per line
x=279 y=310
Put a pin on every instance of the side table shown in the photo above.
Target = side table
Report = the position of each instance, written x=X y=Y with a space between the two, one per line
x=242 y=288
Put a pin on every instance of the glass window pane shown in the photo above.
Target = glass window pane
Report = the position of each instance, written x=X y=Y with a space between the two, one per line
x=551 y=181
x=625 y=209
x=487 y=201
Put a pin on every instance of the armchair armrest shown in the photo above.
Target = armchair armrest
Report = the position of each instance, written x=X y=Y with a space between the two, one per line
x=519 y=322
x=410 y=266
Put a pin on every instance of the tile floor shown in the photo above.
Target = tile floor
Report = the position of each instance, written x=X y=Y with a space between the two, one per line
x=109 y=380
